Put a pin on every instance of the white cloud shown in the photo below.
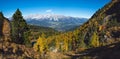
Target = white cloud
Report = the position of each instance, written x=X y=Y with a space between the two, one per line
x=49 y=11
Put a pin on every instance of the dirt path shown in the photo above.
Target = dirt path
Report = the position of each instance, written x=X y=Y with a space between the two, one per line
x=57 y=55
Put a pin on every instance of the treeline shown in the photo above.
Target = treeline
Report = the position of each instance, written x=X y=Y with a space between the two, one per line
x=37 y=31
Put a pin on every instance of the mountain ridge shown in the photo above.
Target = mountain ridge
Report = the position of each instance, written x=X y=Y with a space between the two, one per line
x=54 y=17
x=102 y=27
x=57 y=22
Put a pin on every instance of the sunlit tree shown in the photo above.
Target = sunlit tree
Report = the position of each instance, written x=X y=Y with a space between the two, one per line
x=94 y=42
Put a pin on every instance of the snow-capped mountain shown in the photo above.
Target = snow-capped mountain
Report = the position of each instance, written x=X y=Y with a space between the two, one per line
x=46 y=16
x=58 y=22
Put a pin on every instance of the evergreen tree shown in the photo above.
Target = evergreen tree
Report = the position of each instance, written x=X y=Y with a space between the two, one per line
x=1 y=15
x=19 y=27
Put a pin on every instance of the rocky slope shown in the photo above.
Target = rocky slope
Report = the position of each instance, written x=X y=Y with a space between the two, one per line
x=99 y=37
x=5 y=27
x=103 y=27
x=101 y=34
x=9 y=49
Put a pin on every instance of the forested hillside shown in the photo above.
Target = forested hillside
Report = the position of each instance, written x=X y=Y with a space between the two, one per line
x=37 y=31
x=102 y=29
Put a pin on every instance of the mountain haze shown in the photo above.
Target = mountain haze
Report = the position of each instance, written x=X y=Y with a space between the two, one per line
x=57 y=22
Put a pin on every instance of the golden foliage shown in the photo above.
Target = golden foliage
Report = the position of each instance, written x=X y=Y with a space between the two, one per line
x=39 y=45
x=100 y=28
x=94 y=40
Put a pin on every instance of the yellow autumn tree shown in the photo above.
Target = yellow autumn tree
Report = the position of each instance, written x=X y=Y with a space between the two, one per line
x=100 y=28
x=65 y=43
x=39 y=45
x=57 y=42
x=94 y=42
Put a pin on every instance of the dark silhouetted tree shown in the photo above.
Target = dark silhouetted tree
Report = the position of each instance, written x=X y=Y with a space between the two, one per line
x=19 y=27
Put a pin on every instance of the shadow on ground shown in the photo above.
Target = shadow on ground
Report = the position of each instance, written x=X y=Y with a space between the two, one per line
x=111 y=51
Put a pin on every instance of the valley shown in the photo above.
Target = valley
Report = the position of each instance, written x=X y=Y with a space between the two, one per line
x=62 y=37
x=57 y=22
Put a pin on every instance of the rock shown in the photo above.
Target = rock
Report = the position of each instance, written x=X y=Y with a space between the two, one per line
x=6 y=30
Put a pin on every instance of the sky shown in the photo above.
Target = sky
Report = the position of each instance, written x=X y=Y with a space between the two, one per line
x=75 y=8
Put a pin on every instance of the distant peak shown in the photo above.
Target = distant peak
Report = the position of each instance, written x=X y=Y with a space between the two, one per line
x=47 y=16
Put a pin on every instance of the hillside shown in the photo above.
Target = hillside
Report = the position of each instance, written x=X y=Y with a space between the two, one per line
x=98 y=38
x=103 y=27
x=37 y=31
x=111 y=51
x=17 y=38
x=11 y=48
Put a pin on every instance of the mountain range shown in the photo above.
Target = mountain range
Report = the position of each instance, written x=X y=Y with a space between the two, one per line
x=57 y=22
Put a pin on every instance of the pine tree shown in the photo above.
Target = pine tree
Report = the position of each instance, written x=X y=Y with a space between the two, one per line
x=19 y=27
x=1 y=15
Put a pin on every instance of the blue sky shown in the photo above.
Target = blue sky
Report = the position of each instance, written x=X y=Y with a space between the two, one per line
x=75 y=8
